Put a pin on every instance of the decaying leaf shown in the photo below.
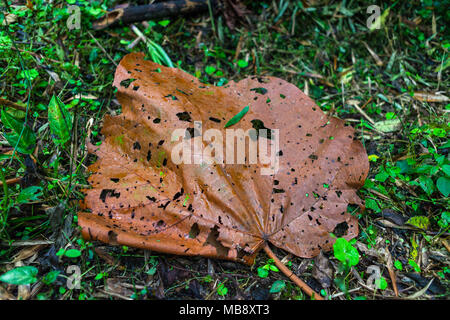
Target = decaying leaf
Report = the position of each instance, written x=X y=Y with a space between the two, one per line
x=430 y=97
x=322 y=270
x=141 y=198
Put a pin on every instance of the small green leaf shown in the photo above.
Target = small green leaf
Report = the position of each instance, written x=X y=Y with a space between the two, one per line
x=50 y=277
x=210 y=70
x=380 y=20
x=20 y=275
x=372 y=204
x=29 y=194
x=242 y=64
x=151 y=271
x=413 y=264
x=28 y=139
x=72 y=253
x=427 y=184
x=277 y=286
x=446 y=216
x=262 y=272
x=398 y=265
x=420 y=222
x=345 y=252
x=164 y=23
x=222 y=290
x=237 y=117
x=99 y=276
x=443 y=185
x=381 y=283
x=60 y=121
x=382 y=176
x=446 y=169
x=273 y=268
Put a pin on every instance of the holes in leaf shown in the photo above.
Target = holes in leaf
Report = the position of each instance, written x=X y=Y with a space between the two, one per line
x=184 y=116
x=212 y=240
x=340 y=229
x=259 y=125
x=259 y=90
x=108 y=193
x=112 y=237
x=194 y=232
x=126 y=83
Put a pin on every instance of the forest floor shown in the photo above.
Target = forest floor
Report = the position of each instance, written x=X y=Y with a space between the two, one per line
x=390 y=83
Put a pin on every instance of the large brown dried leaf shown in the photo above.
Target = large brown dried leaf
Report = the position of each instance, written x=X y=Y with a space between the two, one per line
x=140 y=198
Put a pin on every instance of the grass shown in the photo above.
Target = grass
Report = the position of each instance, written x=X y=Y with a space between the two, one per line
x=373 y=79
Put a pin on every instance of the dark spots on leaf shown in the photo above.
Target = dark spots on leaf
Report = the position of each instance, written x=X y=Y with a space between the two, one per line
x=282 y=96
x=160 y=224
x=171 y=96
x=161 y=142
x=184 y=116
x=149 y=155
x=108 y=193
x=178 y=194
x=278 y=190
x=215 y=119
x=152 y=199
x=338 y=193
x=156 y=120
x=181 y=91
x=136 y=146
x=115 y=180
x=164 y=206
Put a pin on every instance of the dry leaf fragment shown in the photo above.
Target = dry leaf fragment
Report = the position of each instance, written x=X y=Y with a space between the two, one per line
x=322 y=270
x=141 y=198
x=430 y=97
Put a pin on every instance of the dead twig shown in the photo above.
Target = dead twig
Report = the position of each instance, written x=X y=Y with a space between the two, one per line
x=152 y=11
x=302 y=285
